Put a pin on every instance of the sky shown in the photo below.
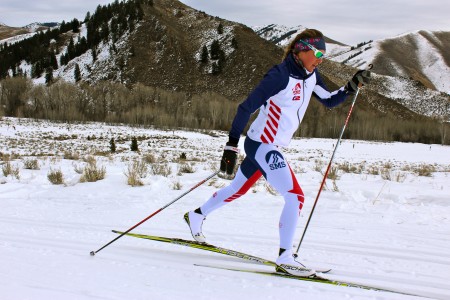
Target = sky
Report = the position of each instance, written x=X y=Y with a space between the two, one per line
x=347 y=21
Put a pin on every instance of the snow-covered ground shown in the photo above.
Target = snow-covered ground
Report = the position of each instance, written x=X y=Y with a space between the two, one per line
x=382 y=225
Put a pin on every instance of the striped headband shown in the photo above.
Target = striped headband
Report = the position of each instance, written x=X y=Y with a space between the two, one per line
x=318 y=43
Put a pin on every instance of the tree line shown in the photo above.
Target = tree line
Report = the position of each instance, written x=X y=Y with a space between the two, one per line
x=40 y=50
x=152 y=106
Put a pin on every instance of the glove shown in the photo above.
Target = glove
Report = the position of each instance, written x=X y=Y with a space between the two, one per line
x=361 y=77
x=229 y=158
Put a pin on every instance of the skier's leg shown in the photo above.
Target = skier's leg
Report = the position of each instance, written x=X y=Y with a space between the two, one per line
x=293 y=203
x=246 y=176
x=279 y=174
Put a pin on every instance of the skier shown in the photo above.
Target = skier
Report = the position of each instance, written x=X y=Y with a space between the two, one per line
x=282 y=98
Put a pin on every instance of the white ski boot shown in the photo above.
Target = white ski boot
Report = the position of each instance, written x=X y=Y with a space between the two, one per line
x=195 y=222
x=286 y=263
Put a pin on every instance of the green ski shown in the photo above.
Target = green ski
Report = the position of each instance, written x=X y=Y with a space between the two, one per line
x=314 y=278
x=202 y=246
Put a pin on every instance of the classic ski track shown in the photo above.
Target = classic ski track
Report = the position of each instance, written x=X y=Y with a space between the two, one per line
x=328 y=281
x=425 y=256
x=335 y=275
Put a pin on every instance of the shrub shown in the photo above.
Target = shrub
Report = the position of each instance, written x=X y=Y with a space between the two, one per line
x=424 y=170
x=136 y=170
x=270 y=189
x=318 y=165
x=72 y=156
x=186 y=168
x=177 y=185
x=78 y=168
x=31 y=164
x=90 y=159
x=93 y=173
x=9 y=169
x=333 y=173
x=373 y=170
x=55 y=176
x=161 y=169
x=149 y=158
x=346 y=167
x=386 y=174
x=399 y=176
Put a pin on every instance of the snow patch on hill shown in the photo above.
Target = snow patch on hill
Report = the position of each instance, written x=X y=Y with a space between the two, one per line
x=438 y=72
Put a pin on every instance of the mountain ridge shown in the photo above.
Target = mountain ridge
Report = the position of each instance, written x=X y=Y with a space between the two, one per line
x=165 y=51
x=419 y=55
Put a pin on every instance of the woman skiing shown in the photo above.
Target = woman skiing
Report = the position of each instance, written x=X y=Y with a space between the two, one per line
x=282 y=98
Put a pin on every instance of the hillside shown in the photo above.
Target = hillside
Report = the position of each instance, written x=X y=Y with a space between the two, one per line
x=7 y=32
x=419 y=55
x=163 y=49
x=168 y=45
x=412 y=69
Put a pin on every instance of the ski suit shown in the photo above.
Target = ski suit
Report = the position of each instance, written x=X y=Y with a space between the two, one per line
x=282 y=98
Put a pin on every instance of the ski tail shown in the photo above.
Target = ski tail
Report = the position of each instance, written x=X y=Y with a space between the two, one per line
x=211 y=248
x=202 y=246
x=317 y=278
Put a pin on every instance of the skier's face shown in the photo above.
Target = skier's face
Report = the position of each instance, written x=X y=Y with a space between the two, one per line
x=309 y=60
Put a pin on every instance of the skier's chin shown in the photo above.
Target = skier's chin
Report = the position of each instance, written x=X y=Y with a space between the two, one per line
x=310 y=68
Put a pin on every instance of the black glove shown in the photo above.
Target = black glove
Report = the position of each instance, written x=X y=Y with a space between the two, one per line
x=361 y=77
x=229 y=158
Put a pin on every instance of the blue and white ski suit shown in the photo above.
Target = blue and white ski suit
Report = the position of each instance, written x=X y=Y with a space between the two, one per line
x=282 y=98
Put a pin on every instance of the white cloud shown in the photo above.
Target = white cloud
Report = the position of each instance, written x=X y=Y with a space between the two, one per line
x=20 y=13
x=348 y=21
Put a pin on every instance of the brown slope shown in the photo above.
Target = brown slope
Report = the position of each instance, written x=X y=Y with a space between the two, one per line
x=172 y=33
x=7 y=32
x=402 y=54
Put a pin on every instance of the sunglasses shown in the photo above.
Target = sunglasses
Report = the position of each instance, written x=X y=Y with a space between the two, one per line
x=317 y=53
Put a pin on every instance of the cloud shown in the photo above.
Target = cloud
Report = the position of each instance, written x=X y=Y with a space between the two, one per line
x=348 y=21
x=20 y=13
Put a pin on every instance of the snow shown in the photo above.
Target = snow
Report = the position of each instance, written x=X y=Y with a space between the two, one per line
x=33 y=27
x=364 y=59
x=433 y=65
x=405 y=92
x=17 y=38
x=274 y=32
x=387 y=233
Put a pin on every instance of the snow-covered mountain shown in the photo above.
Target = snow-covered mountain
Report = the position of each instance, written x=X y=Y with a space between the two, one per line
x=412 y=69
x=165 y=47
x=37 y=26
x=14 y=34
x=420 y=55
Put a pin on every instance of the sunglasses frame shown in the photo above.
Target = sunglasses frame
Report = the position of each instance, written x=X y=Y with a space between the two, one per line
x=317 y=53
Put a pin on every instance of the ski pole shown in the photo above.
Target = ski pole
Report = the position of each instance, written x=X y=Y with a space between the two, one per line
x=158 y=211
x=328 y=168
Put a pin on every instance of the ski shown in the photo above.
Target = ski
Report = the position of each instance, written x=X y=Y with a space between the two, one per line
x=202 y=246
x=206 y=247
x=315 y=278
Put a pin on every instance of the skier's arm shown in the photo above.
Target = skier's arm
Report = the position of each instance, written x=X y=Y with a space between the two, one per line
x=327 y=98
x=273 y=82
